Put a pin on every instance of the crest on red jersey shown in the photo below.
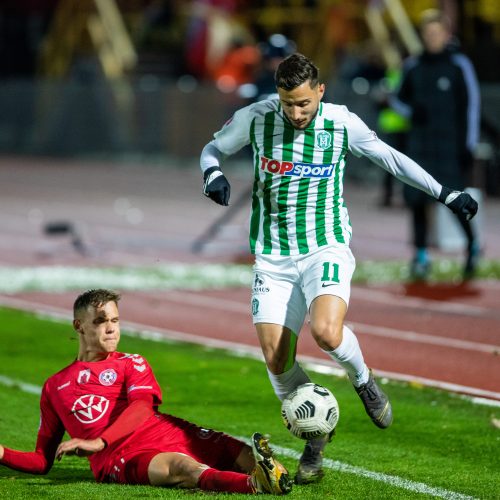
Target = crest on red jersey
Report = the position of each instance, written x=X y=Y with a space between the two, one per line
x=83 y=376
x=90 y=408
x=108 y=377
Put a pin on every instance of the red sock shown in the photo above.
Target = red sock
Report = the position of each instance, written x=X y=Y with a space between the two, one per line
x=217 y=480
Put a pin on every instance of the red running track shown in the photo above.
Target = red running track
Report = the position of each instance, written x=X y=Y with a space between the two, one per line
x=444 y=336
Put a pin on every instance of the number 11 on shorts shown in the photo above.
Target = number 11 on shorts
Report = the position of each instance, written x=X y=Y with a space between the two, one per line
x=330 y=272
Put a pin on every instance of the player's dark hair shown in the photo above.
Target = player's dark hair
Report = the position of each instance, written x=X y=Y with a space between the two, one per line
x=295 y=70
x=95 y=298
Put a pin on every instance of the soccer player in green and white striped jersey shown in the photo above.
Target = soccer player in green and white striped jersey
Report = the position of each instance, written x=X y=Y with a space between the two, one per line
x=300 y=229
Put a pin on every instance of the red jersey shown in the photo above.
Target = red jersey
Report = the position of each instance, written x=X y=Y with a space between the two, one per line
x=85 y=398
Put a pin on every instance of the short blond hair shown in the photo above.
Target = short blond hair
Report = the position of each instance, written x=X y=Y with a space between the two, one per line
x=429 y=16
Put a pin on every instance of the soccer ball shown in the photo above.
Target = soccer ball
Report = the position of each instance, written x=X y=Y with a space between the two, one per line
x=310 y=411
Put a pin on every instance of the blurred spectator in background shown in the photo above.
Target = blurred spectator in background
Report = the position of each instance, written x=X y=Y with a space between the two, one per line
x=238 y=66
x=212 y=31
x=439 y=93
x=393 y=128
x=274 y=50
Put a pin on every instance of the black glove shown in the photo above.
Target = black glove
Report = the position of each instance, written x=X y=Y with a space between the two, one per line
x=215 y=186
x=459 y=202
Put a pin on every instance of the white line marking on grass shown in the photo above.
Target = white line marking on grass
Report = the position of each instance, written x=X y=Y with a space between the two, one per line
x=342 y=467
x=480 y=396
x=29 y=388
x=395 y=481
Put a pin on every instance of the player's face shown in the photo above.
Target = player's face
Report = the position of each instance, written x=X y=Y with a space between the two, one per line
x=300 y=104
x=99 y=328
x=435 y=37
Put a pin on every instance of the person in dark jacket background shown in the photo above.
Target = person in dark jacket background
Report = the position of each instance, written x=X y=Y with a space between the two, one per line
x=439 y=93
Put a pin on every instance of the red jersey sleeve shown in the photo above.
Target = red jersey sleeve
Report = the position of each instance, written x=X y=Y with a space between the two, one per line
x=136 y=413
x=143 y=394
x=50 y=435
x=140 y=380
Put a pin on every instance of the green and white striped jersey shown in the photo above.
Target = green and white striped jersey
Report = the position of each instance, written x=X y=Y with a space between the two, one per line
x=297 y=199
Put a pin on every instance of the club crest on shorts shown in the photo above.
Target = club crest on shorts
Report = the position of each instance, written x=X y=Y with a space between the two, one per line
x=108 y=377
x=323 y=140
x=255 y=307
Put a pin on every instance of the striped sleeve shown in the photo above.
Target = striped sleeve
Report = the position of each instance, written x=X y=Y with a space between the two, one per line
x=211 y=157
x=235 y=133
x=364 y=142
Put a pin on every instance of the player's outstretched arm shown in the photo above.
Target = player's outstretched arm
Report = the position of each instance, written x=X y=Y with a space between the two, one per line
x=50 y=434
x=366 y=143
x=39 y=461
x=215 y=184
x=459 y=202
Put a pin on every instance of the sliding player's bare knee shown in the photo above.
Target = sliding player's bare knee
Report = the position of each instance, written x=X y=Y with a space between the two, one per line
x=245 y=462
x=174 y=469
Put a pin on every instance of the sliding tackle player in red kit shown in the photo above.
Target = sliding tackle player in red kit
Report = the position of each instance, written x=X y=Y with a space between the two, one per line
x=108 y=402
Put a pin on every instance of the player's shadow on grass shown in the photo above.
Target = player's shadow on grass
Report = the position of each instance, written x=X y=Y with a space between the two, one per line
x=60 y=476
x=79 y=479
x=441 y=291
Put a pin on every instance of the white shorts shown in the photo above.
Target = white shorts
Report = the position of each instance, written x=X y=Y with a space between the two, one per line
x=284 y=286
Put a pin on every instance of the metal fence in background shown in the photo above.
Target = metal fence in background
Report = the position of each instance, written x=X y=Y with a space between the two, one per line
x=71 y=118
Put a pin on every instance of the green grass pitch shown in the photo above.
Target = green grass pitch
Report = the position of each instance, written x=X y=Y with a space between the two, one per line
x=440 y=445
